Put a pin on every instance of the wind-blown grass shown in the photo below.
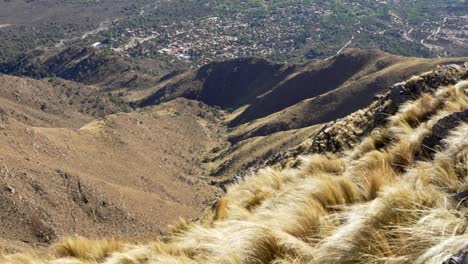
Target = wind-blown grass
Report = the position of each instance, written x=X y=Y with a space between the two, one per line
x=378 y=203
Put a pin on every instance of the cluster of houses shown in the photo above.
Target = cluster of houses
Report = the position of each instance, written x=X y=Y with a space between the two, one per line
x=274 y=33
x=201 y=40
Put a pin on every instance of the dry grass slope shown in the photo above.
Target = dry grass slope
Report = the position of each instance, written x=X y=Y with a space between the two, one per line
x=377 y=203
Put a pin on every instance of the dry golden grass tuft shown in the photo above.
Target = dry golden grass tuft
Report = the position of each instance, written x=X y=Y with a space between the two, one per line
x=179 y=227
x=84 y=249
x=379 y=203
x=323 y=164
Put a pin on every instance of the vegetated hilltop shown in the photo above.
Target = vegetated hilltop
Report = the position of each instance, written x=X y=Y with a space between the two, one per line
x=397 y=194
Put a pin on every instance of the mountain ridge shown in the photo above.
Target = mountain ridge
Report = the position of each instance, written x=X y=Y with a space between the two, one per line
x=71 y=137
x=371 y=200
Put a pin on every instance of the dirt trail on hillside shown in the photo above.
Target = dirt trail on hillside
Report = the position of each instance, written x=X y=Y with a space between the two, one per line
x=126 y=175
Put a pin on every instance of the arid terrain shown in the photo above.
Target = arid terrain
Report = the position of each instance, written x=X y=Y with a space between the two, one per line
x=124 y=175
x=389 y=183
x=78 y=160
x=231 y=131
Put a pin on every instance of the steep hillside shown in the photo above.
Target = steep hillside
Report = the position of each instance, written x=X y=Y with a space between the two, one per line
x=275 y=106
x=344 y=133
x=91 y=66
x=124 y=175
x=228 y=84
x=55 y=152
x=355 y=93
x=263 y=98
x=71 y=165
x=398 y=195
x=234 y=83
x=54 y=102
x=280 y=97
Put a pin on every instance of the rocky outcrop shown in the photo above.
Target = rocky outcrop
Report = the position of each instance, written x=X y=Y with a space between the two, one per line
x=462 y=258
x=440 y=131
x=342 y=134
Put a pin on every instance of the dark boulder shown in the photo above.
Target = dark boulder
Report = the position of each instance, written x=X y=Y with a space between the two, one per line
x=441 y=130
x=462 y=258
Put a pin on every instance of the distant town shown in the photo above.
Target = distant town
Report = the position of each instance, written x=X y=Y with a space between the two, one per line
x=224 y=37
x=279 y=32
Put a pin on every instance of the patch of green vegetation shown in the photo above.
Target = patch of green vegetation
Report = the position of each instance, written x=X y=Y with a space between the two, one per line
x=283 y=30
x=418 y=11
